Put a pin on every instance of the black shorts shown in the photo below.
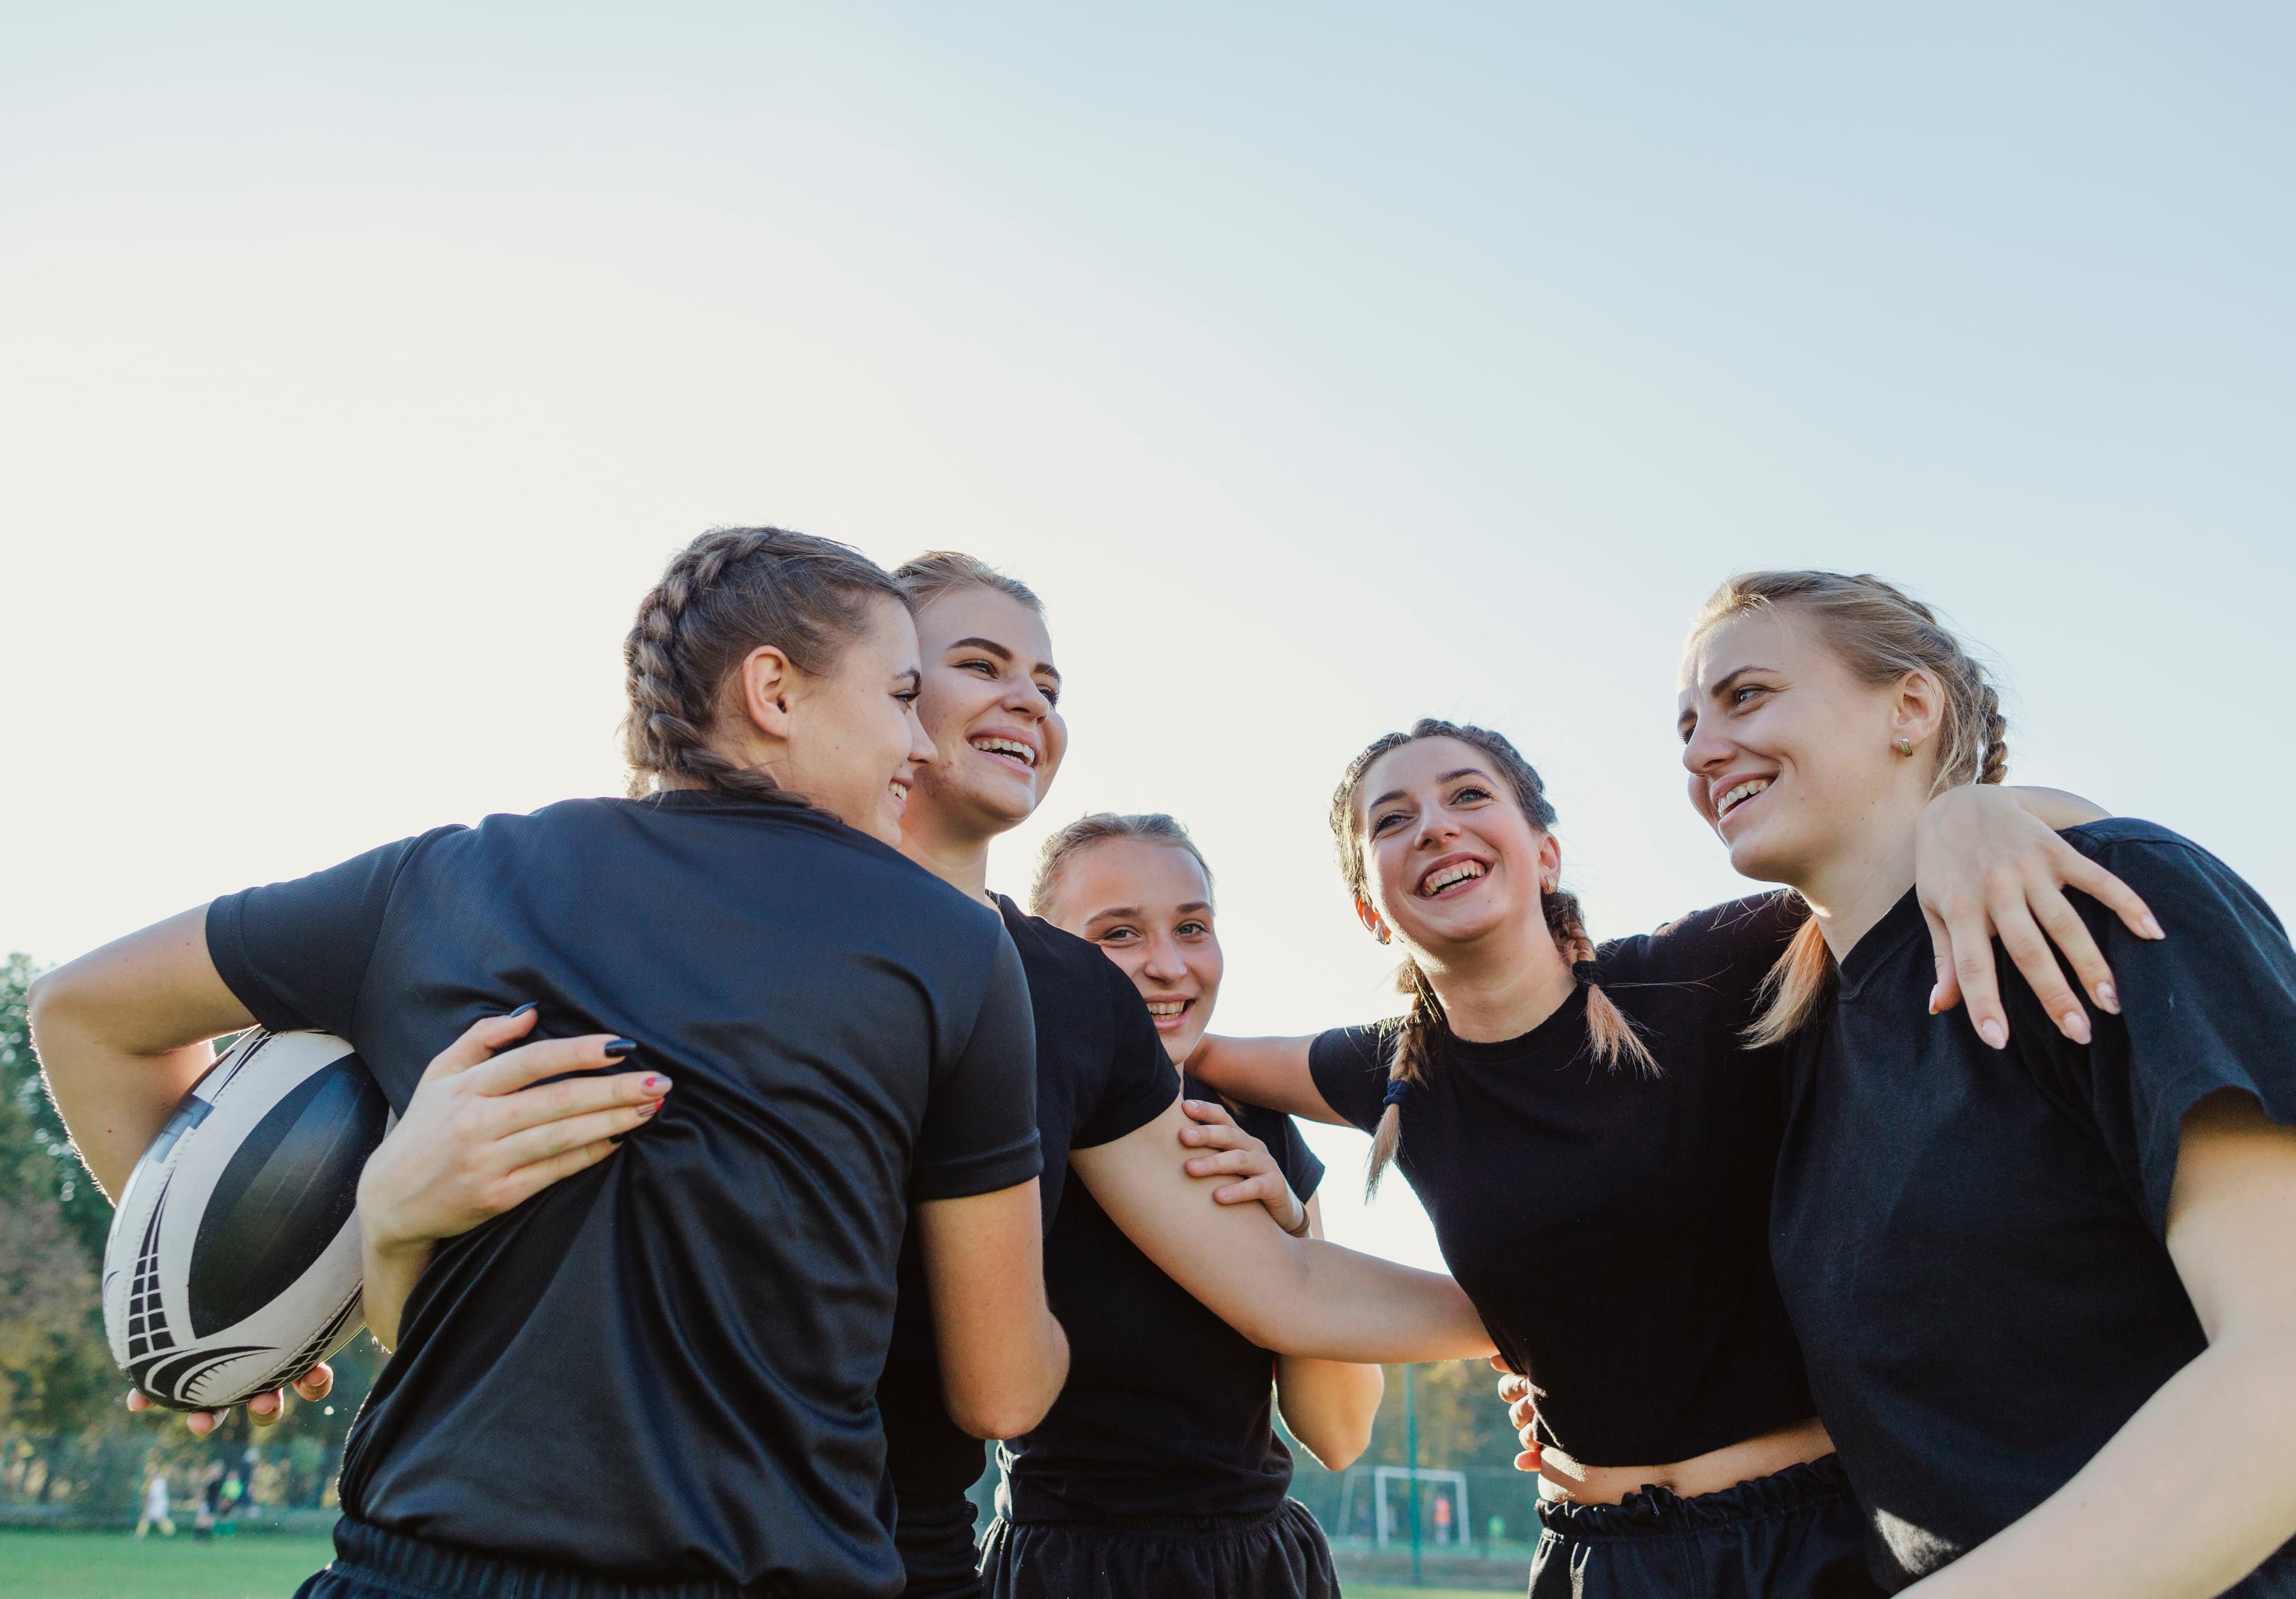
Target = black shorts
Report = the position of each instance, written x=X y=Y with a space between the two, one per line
x=370 y=1563
x=1796 y=1535
x=1280 y=1555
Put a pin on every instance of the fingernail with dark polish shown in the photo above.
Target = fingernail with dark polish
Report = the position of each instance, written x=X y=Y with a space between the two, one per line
x=619 y=1047
x=521 y=1010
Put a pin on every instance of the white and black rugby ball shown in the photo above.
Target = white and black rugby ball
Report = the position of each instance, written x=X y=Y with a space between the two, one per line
x=233 y=1261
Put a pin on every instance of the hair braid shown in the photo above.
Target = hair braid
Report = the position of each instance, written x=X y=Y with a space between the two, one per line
x=726 y=594
x=1608 y=1027
x=1421 y=1032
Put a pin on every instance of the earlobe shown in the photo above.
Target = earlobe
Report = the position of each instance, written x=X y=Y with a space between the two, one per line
x=766 y=678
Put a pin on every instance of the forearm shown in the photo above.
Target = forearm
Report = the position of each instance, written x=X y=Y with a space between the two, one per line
x=2189 y=1496
x=1329 y=1406
x=2056 y=809
x=390 y=1272
x=1263 y=1071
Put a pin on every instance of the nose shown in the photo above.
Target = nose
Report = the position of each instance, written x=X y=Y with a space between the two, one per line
x=1027 y=700
x=1706 y=750
x=1435 y=828
x=923 y=750
x=1164 y=963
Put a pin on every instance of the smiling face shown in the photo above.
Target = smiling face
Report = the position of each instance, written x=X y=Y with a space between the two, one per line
x=1791 y=757
x=1148 y=906
x=1448 y=855
x=989 y=704
x=854 y=745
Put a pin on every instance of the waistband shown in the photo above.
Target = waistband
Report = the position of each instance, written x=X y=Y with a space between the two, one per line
x=1157 y=1526
x=419 y=1570
x=1655 y=1512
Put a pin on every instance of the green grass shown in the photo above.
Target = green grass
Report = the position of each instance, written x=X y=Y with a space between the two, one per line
x=1357 y=1590
x=113 y=1565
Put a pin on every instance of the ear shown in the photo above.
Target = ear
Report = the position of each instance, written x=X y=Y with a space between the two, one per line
x=766 y=678
x=1369 y=917
x=1917 y=708
x=1550 y=858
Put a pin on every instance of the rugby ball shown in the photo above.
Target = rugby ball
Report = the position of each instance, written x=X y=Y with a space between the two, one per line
x=233 y=1261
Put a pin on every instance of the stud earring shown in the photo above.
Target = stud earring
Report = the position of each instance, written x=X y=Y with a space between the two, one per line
x=1546 y=886
x=1904 y=746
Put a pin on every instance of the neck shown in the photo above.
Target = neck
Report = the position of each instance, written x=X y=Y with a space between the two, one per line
x=1499 y=988
x=958 y=859
x=1855 y=889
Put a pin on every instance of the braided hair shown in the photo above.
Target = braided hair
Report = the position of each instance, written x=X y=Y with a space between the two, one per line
x=1423 y=1029
x=728 y=592
x=1881 y=633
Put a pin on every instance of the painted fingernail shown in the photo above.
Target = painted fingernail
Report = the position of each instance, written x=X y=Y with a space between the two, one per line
x=2152 y=928
x=650 y=1110
x=2108 y=997
x=655 y=1084
x=521 y=1010
x=619 y=1047
x=1994 y=1033
x=2076 y=1026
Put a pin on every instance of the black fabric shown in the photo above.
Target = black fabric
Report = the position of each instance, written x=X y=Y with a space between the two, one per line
x=1102 y=1073
x=665 y=1366
x=1168 y=1411
x=370 y=1563
x=1970 y=1241
x=1795 y=1535
x=1280 y=1554
x=1609 y=1224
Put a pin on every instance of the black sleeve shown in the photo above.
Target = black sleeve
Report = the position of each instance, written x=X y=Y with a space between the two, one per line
x=1349 y=1066
x=296 y=953
x=1141 y=1084
x=1301 y=1168
x=2209 y=1007
x=980 y=1123
x=1729 y=948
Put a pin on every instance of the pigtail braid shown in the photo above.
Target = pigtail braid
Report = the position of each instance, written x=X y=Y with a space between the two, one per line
x=726 y=593
x=1608 y=1027
x=1417 y=1037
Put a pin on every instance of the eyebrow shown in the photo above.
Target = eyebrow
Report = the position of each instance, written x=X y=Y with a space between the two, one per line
x=913 y=677
x=1447 y=777
x=1004 y=654
x=1721 y=688
x=1134 y=912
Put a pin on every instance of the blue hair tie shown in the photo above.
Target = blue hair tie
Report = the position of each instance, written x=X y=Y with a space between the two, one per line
x=1396 y=1089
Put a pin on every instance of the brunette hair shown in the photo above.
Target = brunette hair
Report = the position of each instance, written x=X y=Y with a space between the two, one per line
x=1881 y=633
x=729 y=591
x=1152 y=827
x=1424 y=1028
x=936 y=572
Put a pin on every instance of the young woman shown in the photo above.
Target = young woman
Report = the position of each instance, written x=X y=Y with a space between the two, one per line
x=1106 y=1100
x=1158 y=1471
x=658 y=1377
x=2046 y=1283
x=1595 y=1150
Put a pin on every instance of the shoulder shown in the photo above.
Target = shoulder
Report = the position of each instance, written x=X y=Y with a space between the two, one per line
x=2168 y=869
x=1706 y=943
x=1064 y=972
x=1369 y=1046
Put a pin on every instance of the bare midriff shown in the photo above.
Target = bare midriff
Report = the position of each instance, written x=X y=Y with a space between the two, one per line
x=1710 y=1472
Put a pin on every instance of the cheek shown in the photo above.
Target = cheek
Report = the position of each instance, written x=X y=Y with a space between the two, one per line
x=1208 y=966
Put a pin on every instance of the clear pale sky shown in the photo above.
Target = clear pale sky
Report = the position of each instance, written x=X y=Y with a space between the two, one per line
x=1322 y=367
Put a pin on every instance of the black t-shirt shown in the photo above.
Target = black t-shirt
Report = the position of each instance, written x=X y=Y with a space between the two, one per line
x=1971 y=1242
x=666 y=1366
x=1168 y=1411
x=1102 y=1073
x=1609 y=1224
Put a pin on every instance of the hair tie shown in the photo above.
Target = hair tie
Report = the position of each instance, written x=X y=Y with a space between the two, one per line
x=1585 y=971
x=1397 y=1088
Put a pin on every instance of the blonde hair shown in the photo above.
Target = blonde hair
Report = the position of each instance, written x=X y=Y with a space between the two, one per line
x=1152 y=827
x=731 y=591
x=936 y=572
x=1881 y=633
x=1424 y=1028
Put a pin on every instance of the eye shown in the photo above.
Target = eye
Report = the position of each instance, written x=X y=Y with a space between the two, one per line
x=987 y=669
x=1191 y=928
x=1117 y=935
x=1468 y=792
x=1744 y=692
x=1050 y=691
x=1379 y=822
x=907 y=696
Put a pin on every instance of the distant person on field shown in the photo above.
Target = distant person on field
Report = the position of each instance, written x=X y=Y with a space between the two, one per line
x=155 y=1506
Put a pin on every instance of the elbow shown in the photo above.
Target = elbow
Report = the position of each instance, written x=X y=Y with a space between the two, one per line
x=1337 y=1452
x=48 y=1009
x=1010 y=1401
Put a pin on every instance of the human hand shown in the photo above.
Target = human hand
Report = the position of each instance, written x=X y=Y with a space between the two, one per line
x=264 y=1410
x=1521 y=1397
x=1986 y=867
x=477 y=1139
x=1239 y=1154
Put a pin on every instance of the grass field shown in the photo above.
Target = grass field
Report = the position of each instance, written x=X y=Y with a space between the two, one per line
x=112 y=1565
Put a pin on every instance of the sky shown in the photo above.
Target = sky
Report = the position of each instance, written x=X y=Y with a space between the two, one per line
x=1324 y=367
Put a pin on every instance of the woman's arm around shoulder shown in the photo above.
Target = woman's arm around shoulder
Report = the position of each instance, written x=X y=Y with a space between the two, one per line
x=1273 y=1072
x=1329 y=1404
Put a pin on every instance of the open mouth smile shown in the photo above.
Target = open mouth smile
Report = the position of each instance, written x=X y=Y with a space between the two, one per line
x=1451 y=875
x=1168 y=1013
x=1006 y=749
x=1731 y=799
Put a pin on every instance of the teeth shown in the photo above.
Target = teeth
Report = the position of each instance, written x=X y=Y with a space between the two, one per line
x=1745 y=790
x=1439 y=880
x=1167 y=1007
x=1004 y=746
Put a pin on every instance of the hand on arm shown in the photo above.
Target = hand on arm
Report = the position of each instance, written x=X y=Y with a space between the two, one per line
x=1296 y=1296
x=1002 y=1355
x=479 y=1139
x=1989 y=862
x=2199 y=1487
x=1329 y=1404
x=1236 y=1153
